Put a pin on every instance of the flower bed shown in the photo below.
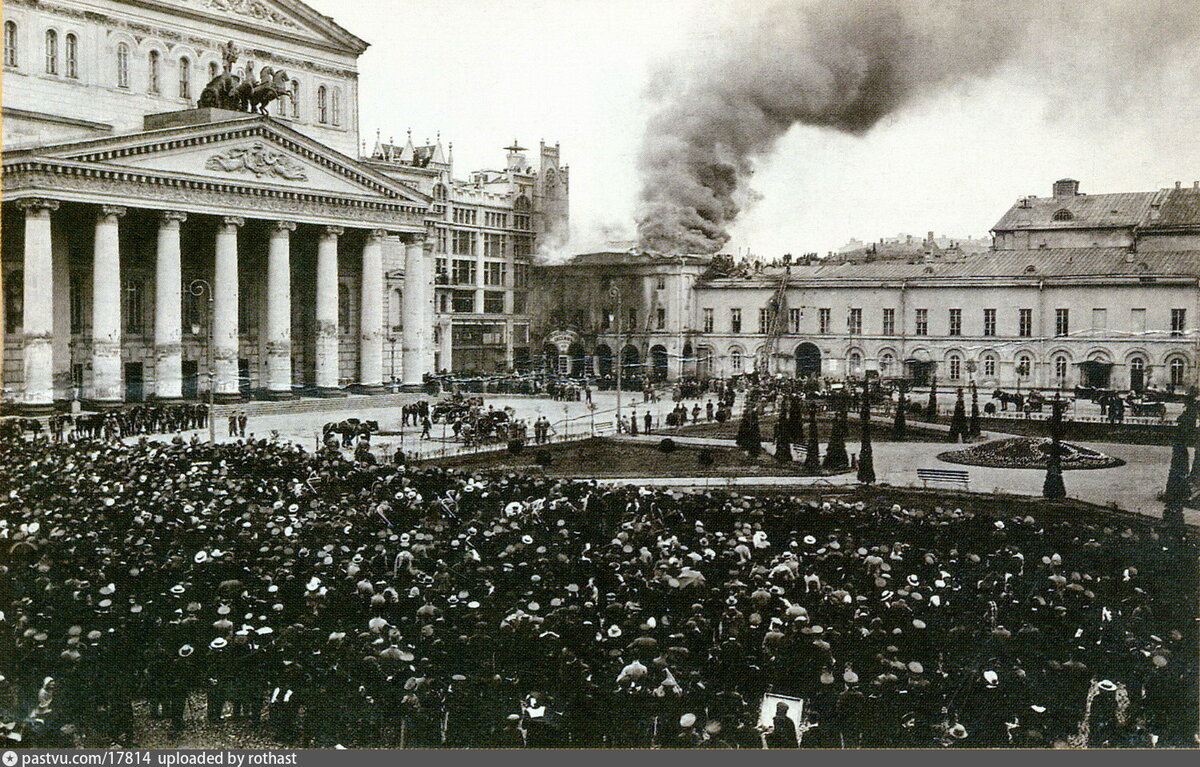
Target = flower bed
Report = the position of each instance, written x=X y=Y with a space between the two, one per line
x=1029 y=453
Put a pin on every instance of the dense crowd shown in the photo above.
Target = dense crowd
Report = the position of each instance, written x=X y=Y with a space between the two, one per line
x=334 y=602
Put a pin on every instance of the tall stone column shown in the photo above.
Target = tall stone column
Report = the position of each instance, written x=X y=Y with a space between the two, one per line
x=225 y=350
x=370 y=337
x=168 y=309
x=327 y=309
x=418 y=312
x=61 y=340
x=38 y=318
x=107 y=373
x=279 y=310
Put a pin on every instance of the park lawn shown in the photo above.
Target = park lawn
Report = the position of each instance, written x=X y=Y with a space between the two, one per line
x=603 y=457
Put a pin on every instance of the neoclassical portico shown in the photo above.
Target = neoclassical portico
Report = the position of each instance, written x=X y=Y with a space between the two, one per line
x=276 y=244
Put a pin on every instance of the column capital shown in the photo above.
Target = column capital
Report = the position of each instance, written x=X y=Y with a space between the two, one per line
x=37 y=204
x=112 y=211
x=331 y=231
x=232 y=221
x=167 y=217
x=413 y=238
x=283 y=226
x=377 y=234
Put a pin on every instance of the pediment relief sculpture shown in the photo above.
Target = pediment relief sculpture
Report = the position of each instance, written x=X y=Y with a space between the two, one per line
x=258 y=159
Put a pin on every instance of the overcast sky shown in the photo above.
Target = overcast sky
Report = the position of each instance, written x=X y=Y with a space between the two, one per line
x=484 y=72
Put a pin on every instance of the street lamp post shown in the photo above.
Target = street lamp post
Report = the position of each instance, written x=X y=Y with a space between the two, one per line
x=201 y=287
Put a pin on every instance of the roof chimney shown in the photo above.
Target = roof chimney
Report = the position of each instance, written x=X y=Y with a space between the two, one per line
x=1196 y=185
x=1066 y=187
x=1178 y=184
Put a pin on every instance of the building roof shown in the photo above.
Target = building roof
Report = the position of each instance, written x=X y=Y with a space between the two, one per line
x=631 y=257
x=1079 y=211
x=1042 y=263
x=1180 y=208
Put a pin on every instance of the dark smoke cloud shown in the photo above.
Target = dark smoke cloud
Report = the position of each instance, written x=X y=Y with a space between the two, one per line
x=846 y=65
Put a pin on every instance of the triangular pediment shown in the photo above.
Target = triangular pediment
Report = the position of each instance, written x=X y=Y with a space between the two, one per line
x=290 y=17
x=251 y=150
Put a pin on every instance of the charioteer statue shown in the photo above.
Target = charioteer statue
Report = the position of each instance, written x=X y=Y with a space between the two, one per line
x=229 y=91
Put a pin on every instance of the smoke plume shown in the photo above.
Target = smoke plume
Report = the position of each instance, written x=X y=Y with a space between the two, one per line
x=845 y=65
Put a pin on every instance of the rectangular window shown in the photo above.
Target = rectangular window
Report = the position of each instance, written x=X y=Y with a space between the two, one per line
x=1178 y=321
x=520 y=275
x=824 y=319
x=1137 y=320
x=854 y=322
x=889 y=322
x=440 y=274
x=660 y=318
x=1062 y=322
x=660 y=283
x=495 y=273
x=76 y=301
x=709 y=323
x=989 y=322
x=135 y=307
x=735 y=320
x=922 y=325
x=464 y=243
x=522 y=246
x=764 y=320
x=1099 y=319
x=794 y=321
x=462 y=301
x=464 y=216
x=493 y=245
x=520 y=221
x=495 y=219
x=493 y=301
x=520 y=299
x=463 y=272
x=955 y=322
x=1025 y=323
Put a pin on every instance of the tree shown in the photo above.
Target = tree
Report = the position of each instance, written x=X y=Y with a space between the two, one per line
x=931 y=413
x=1179 y=490
x=835 y=452
x=748 y=437
x=958 y=421
x=973 y=429
x=866 y=456
x=812 y=460
x=1053 y=488
x=900 y=425
x=796 y=421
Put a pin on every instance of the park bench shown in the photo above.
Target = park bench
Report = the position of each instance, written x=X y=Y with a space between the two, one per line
x=950 y=476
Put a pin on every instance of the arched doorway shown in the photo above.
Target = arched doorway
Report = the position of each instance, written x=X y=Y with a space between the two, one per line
x=604 y=360
x=577 y=356
x=550 y=358
x=687 y=365
x=808 y=361
x=658 y=363
x=631 y=362
x=1137 y=374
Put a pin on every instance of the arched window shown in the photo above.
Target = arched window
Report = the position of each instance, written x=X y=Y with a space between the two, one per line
x=395 y=306
x=71 y=56
x=51 y=52
x=855 y=363
x=1063 y=215
x=1060 y=370
x=154 y=74
x=295 y=99
x=335 y=105
x=735 y=361
x=122 y=65
x=989 y=365
x=185 y=78
x=955 y=367
x=1177 y=368
x=10 y=44
x=885 y=363
x=322 y=105
x=439 y=192
x=1024 y=366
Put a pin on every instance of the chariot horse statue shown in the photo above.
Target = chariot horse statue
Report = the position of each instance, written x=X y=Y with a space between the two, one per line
x=229 y=91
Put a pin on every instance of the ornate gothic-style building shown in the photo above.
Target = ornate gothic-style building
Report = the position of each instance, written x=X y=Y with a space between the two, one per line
x=149 y=240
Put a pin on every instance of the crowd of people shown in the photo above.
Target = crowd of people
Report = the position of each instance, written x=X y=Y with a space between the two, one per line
x=333 y=602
